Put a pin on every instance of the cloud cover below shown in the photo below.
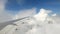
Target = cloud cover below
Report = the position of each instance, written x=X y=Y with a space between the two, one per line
x=44 y=18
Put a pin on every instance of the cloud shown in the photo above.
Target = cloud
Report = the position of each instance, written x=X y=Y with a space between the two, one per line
x=43 y=18
x=47 y=15
x=4 y=15
x=54 y=15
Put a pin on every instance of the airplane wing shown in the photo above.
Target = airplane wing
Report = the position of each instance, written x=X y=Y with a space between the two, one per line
x=2 y=25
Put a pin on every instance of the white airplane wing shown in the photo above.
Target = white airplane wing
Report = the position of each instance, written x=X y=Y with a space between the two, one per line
x=2 y=25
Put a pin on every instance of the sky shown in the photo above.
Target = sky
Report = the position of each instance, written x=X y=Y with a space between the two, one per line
x=20 y=8
x=17 y=5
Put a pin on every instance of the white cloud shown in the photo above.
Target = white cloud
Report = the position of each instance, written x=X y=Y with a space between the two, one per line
x=46 y=15
x=54 y=15
x=42 y=17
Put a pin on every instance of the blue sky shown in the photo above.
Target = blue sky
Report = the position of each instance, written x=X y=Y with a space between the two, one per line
x=16 y=5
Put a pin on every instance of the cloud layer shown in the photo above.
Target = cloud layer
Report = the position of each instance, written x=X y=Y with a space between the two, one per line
x=43 y=18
